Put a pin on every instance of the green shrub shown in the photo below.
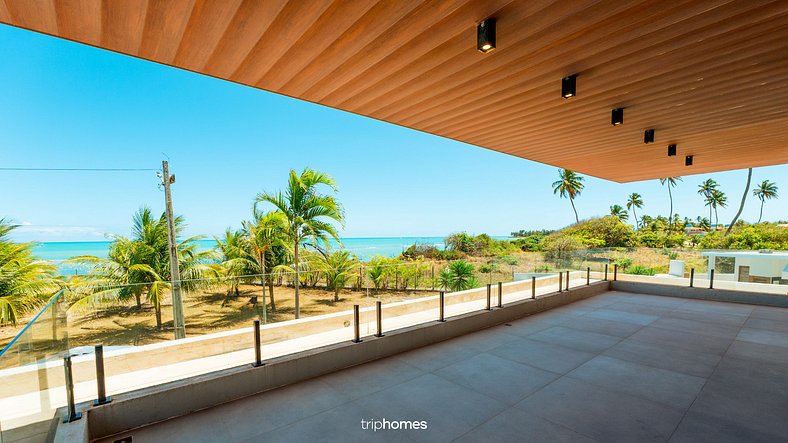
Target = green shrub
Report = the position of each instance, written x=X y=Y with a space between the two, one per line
x=623 y=263
x=642 y=270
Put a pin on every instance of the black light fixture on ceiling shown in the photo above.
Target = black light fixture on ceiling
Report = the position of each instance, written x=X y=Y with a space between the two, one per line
x=671 y=150
x=485 y=35
x=617 y=117
x=688 y=160
x=569 y=86
x=648 y=136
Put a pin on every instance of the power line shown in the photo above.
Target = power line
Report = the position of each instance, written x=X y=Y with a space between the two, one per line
x=81 y=169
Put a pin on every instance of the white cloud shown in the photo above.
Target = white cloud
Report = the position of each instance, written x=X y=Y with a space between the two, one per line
x=30 y=232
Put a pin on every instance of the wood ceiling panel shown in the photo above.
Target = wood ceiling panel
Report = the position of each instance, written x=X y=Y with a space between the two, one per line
x=79 y=20
x=708 y=75
x=165 y=24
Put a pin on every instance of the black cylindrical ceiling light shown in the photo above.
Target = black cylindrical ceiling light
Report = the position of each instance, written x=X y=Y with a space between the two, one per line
x=688 y=160
x=671 y=150
x=485 y=35
x=569 y=86
x=617 y=117
x=648 y=136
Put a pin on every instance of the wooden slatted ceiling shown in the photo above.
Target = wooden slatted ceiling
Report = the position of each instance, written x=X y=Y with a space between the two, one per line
x=708 y=75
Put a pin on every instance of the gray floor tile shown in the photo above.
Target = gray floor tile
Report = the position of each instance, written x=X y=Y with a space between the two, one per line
x=696 y=327
x=770 y=313
x=765 y=324
x=496 y=377
x=600 y=413
x=528 y=325
x=695 y=363
x=682 y=340
x=572 y=338
x=667 y=387
x=342 y=424
x=745 y=405
x=640 y=308
x=515 y=425
x=708 y=317
x=628 y=317
x=439 y=355
x=701 y=428
x=716 y=307
x=757 y=353
x=603 y=326
x=547 y=356
x=449 y=409
x=772 y=338
x=365 y=379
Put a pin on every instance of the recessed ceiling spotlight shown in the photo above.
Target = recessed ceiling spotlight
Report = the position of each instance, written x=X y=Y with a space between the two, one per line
x=617 y=117
x=569 y=86
x=648 y=136
x=671 y=150
x=485 y=35
x=688 y=160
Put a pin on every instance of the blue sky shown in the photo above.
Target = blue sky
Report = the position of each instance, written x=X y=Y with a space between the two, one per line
x=68 y=105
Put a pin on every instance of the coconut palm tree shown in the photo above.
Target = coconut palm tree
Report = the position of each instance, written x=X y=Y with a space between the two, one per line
x=765 y=191
x=236 y=262
x=703 y=223
x=705 y=189
x=635 y=201
x=618 y=212
x=743 y=199
x=25 y=281
x=717 y=199
x=671 y=182
x=268 y=242
x=309 y=213
x=338 y=268
x=141 y=263
x=569 y=185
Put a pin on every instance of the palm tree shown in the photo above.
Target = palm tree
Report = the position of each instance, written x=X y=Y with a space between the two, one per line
x=458 y=276
x=703 y=223
x=268 y=244
x=309 y=213
x=569 y=186
x=705 y=189
x=716 y=199
x=743 y=199
x=141 y=265
x=671 y=183
x=236 y=262
x=618 y=212
x=765 y=191
x=338 y=268
x=635 y=201
x=25 y=281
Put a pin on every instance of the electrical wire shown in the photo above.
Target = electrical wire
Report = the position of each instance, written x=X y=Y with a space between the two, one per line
x=80 y=169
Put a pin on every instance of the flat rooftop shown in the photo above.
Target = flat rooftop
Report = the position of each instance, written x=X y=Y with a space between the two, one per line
x=615 y=367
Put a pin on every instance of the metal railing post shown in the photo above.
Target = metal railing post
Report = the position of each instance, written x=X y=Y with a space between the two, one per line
x=533 y=287
x=560 y=281
x=500 y=294
x=588 y=275
x=489 y=297
x=72 y=410
x=101 y=387
x=615 y=272
x=567 y=280
x=692 y=277
x=356 y=326
x=606 y=271
x=258 y=357
x=440 y=308
x=711 y=279
x=379 y=316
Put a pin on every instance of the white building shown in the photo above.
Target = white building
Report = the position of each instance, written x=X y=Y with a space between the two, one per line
x=749 y=266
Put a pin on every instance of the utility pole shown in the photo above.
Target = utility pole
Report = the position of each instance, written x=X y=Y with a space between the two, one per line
x=175 y=273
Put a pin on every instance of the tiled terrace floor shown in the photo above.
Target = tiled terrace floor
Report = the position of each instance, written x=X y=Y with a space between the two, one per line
x=616 y=367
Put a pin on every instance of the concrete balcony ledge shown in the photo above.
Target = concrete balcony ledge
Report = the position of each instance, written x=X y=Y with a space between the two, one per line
x=178 y=398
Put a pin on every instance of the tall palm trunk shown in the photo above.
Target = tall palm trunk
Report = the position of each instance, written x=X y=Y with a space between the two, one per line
x=572 y=201
x=271 y=292
x=760 y=214
x=636 y=217
x=670 y=217
x=295 y=262
x=743 y=199
x=138 y=295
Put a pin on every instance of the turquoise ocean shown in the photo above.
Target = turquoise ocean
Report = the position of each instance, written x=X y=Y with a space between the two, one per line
x=363 y=248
